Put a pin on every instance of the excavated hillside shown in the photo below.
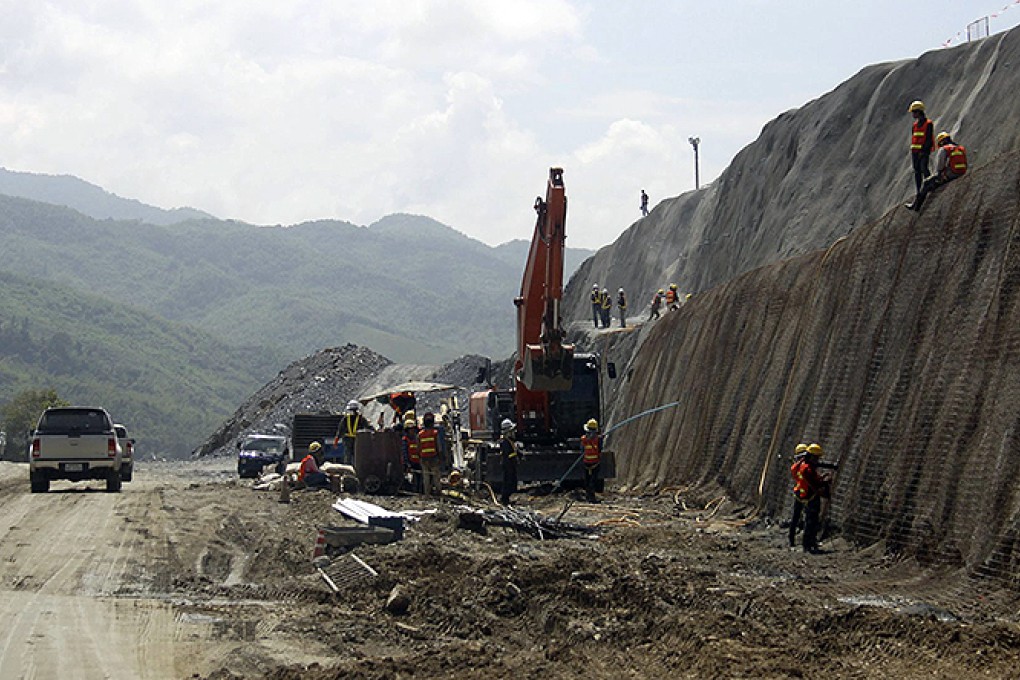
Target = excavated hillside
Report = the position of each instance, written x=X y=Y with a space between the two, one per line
x=814 y=173
x=897 y=348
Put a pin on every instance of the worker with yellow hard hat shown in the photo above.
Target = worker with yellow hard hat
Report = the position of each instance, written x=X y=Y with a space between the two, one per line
x=922 y=141
x=653 y=310
x=309 y=473
x=591 y=443
x=809 y=487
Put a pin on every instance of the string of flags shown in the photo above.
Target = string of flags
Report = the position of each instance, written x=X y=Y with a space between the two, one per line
x=993 y=15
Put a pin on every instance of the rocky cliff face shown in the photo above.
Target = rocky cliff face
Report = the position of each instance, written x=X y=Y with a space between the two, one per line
x=815 y=173
x=896 y=347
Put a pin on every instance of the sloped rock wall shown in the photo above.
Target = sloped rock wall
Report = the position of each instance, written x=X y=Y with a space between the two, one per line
x=814 y=173
x=897 y=348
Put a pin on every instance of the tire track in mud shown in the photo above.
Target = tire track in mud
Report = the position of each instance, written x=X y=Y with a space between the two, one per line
x=63 y=556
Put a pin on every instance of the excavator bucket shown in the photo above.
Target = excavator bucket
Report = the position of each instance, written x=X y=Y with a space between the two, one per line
x=547 y=372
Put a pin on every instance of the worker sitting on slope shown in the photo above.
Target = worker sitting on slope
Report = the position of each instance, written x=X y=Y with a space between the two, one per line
x=309 y=473
x=950 y=163
x=672 y=297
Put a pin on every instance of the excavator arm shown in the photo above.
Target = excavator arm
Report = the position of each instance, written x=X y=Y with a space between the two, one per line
x=544 y=360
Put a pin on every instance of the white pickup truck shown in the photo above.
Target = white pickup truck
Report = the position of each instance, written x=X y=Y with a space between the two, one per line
x=75 y=443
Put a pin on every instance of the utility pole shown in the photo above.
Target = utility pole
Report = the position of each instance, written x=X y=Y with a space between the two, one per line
x=694 y=142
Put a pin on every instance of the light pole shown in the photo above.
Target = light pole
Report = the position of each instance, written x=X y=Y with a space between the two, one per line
x=694 y=142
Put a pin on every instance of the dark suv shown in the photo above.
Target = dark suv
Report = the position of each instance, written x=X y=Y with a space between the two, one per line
x=256 y=451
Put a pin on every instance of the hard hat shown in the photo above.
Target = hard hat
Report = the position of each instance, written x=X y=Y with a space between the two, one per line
x=314 y=446
x=605 y=290
x=686 y=297
x=662 y=292
x=409 y=421
x=942 y=137
x=353 y=405
x=595 y=287
x=801 y=448
x=409 y=414
x=815 y=450
x=507 y=424
x=591 y=425
x=916 y=105
x=672 y=286
x=621 y=290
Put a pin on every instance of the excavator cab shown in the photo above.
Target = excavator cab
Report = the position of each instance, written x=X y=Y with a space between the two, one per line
x=545 y=371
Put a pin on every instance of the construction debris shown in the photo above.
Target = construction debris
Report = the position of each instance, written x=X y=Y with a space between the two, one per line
x=526 y=521
x=373 y=515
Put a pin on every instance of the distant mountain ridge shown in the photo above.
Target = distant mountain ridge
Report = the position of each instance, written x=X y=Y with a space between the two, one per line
x=89 y=199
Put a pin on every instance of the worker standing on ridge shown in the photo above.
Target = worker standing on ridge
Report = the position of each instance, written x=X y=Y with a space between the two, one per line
x=644 y=203
x=309 y=473
x=809 y=487
x=621 y=304
x=430 y=444
x=412 y=451
x=591 y=442
x=922 y=140
x=950 y=164
x=607 y=307
x=508 y=454
x=596 y=304
x=653 y=312
x=347 y=430
x=672 y=297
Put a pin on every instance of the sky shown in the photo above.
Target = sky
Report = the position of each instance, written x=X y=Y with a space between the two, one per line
x=279 y=112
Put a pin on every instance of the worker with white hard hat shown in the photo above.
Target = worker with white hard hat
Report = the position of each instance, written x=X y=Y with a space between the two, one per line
x=347 y=431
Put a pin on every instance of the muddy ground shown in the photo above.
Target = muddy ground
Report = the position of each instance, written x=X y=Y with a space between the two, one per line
x=191 y=573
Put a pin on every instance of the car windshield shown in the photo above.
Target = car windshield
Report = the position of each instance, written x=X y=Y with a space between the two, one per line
x=264 y=445
x=82 y=421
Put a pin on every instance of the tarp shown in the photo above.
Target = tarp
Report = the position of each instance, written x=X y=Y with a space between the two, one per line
x=415 y=387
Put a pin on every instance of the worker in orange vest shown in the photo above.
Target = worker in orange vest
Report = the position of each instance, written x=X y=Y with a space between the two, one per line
x=672 y=297
x=430 y=445
x=950 y=164
x=309 y=473
x=809 y=488
x=591 y=443
x=922 y=141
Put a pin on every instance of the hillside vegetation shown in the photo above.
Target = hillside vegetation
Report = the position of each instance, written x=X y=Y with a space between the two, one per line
x=168 y=383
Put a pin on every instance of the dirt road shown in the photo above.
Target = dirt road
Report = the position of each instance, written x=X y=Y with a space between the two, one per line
x=189 y=573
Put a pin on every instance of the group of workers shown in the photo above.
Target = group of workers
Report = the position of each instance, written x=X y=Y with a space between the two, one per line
x=602 y=306
x=810 y=487
x=669 y=296
x=950 y=161
x=511 y=452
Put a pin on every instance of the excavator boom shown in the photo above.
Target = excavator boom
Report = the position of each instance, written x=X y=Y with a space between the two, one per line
x=544 y=360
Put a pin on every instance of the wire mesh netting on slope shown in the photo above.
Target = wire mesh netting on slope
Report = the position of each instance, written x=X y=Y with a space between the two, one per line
x=898 y=349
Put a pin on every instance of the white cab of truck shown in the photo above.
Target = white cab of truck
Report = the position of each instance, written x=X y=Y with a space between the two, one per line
x=75 y=443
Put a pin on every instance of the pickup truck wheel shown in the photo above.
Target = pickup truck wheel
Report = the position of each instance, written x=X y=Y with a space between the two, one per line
x=113 y=481
x=39 y=483
x=126 y=473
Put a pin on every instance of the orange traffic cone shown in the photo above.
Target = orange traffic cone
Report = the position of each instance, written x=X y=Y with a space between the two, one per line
x=320 y=544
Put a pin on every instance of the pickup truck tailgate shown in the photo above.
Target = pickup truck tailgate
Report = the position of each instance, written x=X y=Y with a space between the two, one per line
x=75 y=447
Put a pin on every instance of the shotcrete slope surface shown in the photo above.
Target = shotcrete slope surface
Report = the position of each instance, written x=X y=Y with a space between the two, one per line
x=897 y=348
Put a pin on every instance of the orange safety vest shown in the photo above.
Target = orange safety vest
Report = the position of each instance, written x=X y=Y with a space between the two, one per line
x=592 y=449
x=957 y=158
x=308 y=466
x=918 y=134
x=806 y=482
x=428 y=442
x=671 y=296
x=413 y=449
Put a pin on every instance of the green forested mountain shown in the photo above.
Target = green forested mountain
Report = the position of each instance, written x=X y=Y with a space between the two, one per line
x=88 y=199
x=408 y=287
x=170 y=384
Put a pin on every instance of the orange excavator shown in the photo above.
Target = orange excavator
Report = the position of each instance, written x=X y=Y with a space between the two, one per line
x=556 y=391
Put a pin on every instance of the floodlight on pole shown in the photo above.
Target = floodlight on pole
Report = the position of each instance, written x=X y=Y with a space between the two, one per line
x=695 y=141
